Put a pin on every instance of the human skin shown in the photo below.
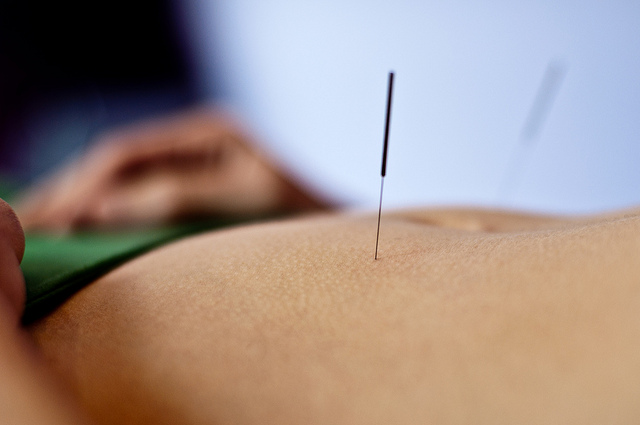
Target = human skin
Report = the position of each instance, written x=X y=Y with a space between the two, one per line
x=198 y=163
x=466 y=317
x=29 y=394
x=12 y=291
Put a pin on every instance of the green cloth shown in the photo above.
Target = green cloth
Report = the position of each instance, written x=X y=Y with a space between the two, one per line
x=8 y=188
x=55 y=267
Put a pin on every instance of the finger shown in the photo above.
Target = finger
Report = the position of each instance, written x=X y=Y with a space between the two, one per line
x=11 y=229
x=147 y=201
x=194 y=131
x=11 y=252
x=124 y=157
x=52 y=204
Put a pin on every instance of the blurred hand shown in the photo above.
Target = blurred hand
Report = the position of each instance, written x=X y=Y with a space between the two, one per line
x=195 y=164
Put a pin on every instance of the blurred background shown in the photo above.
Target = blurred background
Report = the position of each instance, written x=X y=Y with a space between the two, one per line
x=70 y=69
x=532 y=105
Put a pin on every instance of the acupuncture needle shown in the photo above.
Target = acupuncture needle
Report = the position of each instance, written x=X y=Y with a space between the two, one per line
x=542 y=103
x=385 y=149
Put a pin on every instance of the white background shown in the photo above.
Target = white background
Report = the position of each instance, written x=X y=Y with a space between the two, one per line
x=311 y=78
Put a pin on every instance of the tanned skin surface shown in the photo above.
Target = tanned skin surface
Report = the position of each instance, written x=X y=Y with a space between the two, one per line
x=466 y=317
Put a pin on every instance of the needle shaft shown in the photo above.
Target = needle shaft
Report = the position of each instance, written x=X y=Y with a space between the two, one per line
x=385 y=149
x=379 y=214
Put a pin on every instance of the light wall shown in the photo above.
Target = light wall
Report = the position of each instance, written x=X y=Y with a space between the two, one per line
x=310 y=78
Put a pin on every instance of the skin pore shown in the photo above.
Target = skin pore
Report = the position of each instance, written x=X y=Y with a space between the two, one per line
x=466 y=317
